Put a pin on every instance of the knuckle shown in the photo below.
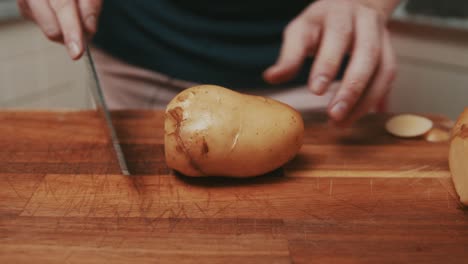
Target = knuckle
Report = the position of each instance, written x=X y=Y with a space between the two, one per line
x=374 y=48
x=341 y=6
x=53 y=35
x=330 y=65
x=344 y=30
x=89 y=6
x=58 y=5
x=355 y=88
x=366 y=10
x=373 y=14
x=289 y=29
x=353 y=93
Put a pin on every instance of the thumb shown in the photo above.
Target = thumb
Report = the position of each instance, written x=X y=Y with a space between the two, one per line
x=299 y=40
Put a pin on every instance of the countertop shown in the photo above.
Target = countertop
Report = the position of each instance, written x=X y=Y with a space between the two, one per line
x=353 y=195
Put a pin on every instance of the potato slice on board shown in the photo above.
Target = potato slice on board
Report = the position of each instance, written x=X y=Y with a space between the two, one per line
x=408 y=125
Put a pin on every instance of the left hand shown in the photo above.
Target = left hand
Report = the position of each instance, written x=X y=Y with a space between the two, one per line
x=330 y=29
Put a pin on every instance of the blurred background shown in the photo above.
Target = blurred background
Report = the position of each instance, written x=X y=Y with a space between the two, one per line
x=430 y=38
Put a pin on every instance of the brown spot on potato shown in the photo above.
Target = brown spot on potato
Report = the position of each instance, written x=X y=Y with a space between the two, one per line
x=177 y=113
x=293 y=118
x=205 y=149
x=179 y=149
x=464 y=131
x=182 y=97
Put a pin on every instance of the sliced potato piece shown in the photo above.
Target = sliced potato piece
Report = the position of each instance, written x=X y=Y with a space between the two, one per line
x=407 y=125
x=438 y=135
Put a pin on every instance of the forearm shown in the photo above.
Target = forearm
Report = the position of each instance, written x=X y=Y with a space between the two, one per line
x=384 y=7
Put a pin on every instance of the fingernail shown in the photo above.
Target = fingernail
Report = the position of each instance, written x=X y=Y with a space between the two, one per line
x=338 y=111
x=91 y=22
x=73 y=48
x=319 y=83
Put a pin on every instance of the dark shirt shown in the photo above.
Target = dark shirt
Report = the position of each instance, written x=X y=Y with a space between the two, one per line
x=228 y=42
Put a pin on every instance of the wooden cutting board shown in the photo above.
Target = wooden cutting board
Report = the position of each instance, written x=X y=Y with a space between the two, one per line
x=351 y=196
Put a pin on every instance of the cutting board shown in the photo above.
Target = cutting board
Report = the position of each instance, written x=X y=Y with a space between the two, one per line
x=354 y=195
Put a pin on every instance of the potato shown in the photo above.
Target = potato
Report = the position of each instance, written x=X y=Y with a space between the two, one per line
x=458 y=156
x=214 y=131
x=437 y=134
x=407 y=125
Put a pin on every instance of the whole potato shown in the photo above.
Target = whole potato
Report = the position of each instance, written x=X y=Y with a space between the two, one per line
x=458 y=156
x=214 y=131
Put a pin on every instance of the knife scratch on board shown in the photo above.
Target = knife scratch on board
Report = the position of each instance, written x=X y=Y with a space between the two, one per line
x=429 y=193
x=13 y=187
x=447 y=199
x=410 y=171
x=222 y=209
x=200 y=209
x=450 y=191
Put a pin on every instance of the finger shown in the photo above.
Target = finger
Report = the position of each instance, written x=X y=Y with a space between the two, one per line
x=299 y=41
x=381 y=84
x=69 y=21
x=334 y=44
x=364 y=59
x=89 y=12
x=24 y=9
x=45 y=19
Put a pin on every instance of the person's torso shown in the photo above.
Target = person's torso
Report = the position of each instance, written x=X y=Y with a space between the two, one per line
x=225 y=42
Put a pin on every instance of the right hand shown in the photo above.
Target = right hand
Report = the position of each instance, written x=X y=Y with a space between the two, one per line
x=65 y=21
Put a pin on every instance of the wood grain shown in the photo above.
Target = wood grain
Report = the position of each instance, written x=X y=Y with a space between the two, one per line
x=353 y=195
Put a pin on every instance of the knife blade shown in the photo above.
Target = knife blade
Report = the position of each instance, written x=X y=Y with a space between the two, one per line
x=101 y=108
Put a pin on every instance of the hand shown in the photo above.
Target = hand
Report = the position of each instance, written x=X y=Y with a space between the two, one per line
x=64 y=21
x=330 y=29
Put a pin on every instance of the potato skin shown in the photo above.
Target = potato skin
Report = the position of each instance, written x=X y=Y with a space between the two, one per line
x=214 y=131
x=458 y=156
x=460 y=129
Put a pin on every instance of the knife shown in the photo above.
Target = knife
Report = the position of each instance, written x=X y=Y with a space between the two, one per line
x=103 y=111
